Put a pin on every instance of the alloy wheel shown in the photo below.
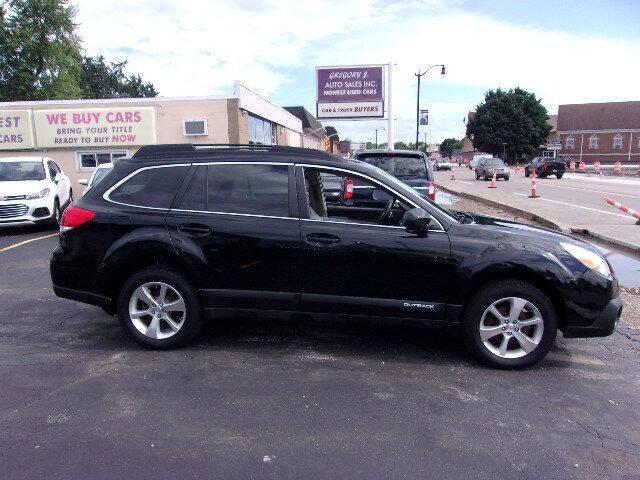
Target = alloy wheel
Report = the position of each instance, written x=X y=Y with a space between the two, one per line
x=511 y=327
x=157 y=310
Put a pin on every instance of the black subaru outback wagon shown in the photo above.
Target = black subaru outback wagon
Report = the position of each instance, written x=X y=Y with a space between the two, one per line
x=179 y=233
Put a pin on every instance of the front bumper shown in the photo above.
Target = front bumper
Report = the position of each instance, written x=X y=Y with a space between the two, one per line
x=25 y=212
x=604 y=324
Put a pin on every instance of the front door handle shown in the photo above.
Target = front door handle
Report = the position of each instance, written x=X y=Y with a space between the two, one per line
x=194 y=229
x=322 y=238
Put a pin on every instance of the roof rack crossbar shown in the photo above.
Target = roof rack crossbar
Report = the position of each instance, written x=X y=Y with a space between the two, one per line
x=193 y=149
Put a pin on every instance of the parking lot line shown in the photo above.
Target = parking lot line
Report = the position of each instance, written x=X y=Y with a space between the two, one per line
x=19 y=244
x=577 y=206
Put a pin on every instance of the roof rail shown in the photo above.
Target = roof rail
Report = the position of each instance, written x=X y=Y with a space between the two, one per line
x=155 y=151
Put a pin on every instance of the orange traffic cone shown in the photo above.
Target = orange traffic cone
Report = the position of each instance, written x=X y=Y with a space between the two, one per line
x=493 y=181
x=534 y=190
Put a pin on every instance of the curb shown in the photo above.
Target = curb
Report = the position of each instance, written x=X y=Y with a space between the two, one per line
x=614 y=242
x=507 y=208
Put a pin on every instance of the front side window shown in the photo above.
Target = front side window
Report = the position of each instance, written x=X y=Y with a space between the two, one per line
x=242 y=189
x=153 y=187
x=21 y=171
x=359 y=201
x=617 y=142
x=593 y=142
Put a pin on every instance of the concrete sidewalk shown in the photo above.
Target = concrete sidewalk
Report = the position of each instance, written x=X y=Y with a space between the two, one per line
x=616 y=229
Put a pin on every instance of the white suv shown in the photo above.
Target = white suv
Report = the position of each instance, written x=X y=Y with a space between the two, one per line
x=32 y=190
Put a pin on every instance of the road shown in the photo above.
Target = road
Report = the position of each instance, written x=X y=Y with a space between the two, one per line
x=257 y=398
x=573 y=201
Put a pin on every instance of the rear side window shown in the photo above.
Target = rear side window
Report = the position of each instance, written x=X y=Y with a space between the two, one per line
x=249 y=189
x=153 y=187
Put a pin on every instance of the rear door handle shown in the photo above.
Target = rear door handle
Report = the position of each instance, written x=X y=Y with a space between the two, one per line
x=194 y=229
x=322 y=238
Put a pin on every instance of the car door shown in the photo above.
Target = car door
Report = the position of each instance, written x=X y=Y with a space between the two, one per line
x=238 y=222
x=58 y=182
x=352 y=265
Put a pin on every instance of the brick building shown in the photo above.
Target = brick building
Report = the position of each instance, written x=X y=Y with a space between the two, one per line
x=607 y=132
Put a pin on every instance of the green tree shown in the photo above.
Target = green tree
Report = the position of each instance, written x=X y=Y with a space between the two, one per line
x=108 y=80
x=515 y=118
x=39 y=50
x=448 y=145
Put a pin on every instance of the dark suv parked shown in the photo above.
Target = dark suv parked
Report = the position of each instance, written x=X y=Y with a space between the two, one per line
x=545 y=167
x=180 y=233
x=409 y=166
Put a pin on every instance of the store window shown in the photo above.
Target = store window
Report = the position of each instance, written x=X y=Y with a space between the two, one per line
x=262 y=132
x=570 y=143
x=617 y=142
x=593 y=142
x=88 y=160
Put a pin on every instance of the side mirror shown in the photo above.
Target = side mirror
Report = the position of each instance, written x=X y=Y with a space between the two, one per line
x=417 y=221
x=83 y=181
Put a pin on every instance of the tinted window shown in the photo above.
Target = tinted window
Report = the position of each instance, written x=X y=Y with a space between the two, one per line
x=252 y=189
x=396 y=165
x=18 y=171
x=195 y=197
x=493 y=162
x=154 y=187
x=99 y=175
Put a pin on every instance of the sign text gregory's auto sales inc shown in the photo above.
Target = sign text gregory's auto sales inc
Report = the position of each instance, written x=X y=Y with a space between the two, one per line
x=350 y=92
x=78 y=127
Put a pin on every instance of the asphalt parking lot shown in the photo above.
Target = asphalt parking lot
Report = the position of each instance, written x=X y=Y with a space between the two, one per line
x=258 y=398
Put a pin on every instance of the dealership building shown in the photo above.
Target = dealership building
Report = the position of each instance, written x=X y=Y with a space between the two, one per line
x=80 y=134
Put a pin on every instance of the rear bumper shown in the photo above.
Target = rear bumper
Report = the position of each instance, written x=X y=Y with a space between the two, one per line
x=84 y=297
x=603 y=326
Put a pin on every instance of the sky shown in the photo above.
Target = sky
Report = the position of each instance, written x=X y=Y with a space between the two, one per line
x=564 y=51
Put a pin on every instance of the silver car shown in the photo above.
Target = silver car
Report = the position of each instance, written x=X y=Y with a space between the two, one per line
x=487 y=166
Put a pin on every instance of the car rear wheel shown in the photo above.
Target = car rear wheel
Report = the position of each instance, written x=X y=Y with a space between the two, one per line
x=559 y=176
x=159 y=308
x=509 y=324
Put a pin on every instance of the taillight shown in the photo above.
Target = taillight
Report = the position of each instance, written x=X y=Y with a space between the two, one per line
x=348 y=188
x=544 y=167
x=74 y=217
x=432 y=191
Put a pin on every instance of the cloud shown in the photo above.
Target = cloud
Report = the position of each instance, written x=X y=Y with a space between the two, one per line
x=197 y=47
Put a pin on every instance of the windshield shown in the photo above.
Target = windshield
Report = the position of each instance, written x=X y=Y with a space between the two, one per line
x=21 y=171
x=493 y=162
x=99 y=175
x=396 y=165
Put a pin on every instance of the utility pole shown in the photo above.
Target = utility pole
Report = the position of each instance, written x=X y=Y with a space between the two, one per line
x=420 y=75
x=391 y=127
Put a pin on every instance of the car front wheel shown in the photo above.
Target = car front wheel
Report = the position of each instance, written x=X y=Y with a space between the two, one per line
x=509 y=324
x=159 y=308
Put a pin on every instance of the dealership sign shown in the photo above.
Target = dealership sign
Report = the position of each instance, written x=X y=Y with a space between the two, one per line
x=95 y=127
x=350 y=92
x=15 y=130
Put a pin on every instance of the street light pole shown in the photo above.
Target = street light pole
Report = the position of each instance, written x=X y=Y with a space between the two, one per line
x=420 y=75
x=504 y=151
x=380 y=128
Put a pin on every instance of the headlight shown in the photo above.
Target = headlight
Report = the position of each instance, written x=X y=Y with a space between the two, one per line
x=589 y=259
x=42 y=193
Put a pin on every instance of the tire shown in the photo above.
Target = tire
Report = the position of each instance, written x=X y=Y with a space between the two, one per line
x=539 y=337
x=486 y=179
x=526 y=173
x=477 y=176
x=559 y=176
x=506 y=178
x=188 y=320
